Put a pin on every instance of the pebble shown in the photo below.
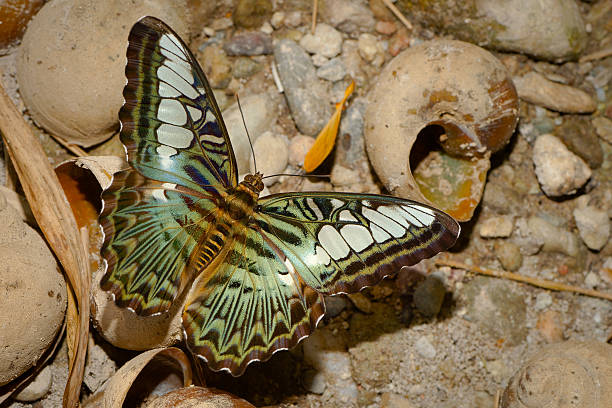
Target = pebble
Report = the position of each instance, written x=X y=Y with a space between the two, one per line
x=314 y=381
x=326 y=41
x=304 y=93
x=370 y=49
x=549 y=326
x=332 y=70
x=259 y=111
x=266 y=28
x=252 y=13
x=509 y=255
x=603 y=127
x=99 y=366
x=277 y=20
x=399 y=42
x=496 y=227
x=38 y=387
x=216 y=66
x=249 y=43
x=319 y=60
x=351 y=146
x=361 y=302
x=429 y=295
x=593 y=226
x=298 y=147
x=535 y=88
x=349 y=16
x=386 y=27
x=498 y=370
x=551 y=238
x=392 y=400
x=543 y=300
x=591 y=280
x=334 y=305
x=578 y=134
x=272 y=153
x=222 y=23
x=424 y=347
x=343 y=176
x=245 y=67
x=559 y=171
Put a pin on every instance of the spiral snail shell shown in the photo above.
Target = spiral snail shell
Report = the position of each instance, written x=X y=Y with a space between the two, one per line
x=447 y=94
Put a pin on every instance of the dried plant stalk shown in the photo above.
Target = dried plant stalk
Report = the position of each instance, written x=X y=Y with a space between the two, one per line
x=55 y=218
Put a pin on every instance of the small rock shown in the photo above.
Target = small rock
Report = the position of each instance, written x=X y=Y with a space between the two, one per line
x=603 y=127
x=350 y=147
x=593 y=226
x=535 y=88
x=349 y=16
x=509 y=255
x=424 y=347
x=222 y=23
x=319 y=60
x=399 y=42
x=559 y=171
x=578 y=135
x=361 y=302
x=369 y=47
x=552 y=238
x=314 y=381
x=38 y=387
x=326 y=41
x=304 y=92
x=252 y=13
x=245 y=67
x=392 y=400
x=272 y=153
x=298 y=147
x=498 y=370
x=334 y=305
x=333 y=70
x=293 y=19
x=543 y=300
x=606 y=270
x=591 y=280
x=98 y=367
x=549 y=326
x=429 y=295
x=266 y=28
x=249 y=44
x=496 y=227
x=386 y=27
x=216 y=66
x=342 y=176
x=277 y=19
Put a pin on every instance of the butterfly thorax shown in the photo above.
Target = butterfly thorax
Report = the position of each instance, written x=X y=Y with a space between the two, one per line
x=241 y=202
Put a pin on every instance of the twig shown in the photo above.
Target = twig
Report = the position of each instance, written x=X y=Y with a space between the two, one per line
x=497 y=398
x=315 y=9
x=542 y=283
x=398 y=14
x=74 y=149
x=606 y=52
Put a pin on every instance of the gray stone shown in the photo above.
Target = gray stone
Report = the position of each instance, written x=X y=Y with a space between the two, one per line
x=249 y=43
x=326 y=41
x=603 y=127
x=304 y=93
x=509 y=255
x=543 y=300
x=559 y=171
x=424 y=347
x=349 y=16
x=298 y=147
x=38 y=387
x=496 y=227
x=314 y=381
x=351 y=145
x=593 y=226
x=334 y=305
x=552 y=238
x=429 y=295
x=272 y=153
x=333 y=70
x=245 y=67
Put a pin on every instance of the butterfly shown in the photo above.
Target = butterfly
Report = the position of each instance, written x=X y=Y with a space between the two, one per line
x=255 y=269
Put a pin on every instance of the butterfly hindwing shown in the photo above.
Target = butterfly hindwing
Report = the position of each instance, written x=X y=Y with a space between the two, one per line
x=248 y=304
x=342 y=242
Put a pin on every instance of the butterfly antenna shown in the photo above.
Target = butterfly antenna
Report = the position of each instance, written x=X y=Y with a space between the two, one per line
x=247 y=132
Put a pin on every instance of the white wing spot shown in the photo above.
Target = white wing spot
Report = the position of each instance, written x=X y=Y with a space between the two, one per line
x=313 y=206
x=195 y=113
x=384 y=222
x=174 y=136
x=320 y=256
x=159 y=194
x=423 y=214
x=166 y=151
x=357 y=236
x=335 y=203
x=172 y=111
x=379 y=234
x=167 y=91
x=345 y=215
x=169 y=186
x=332 y=242
x=172 y=78
x=171 y=44
x=396 y=214
x=181 y=68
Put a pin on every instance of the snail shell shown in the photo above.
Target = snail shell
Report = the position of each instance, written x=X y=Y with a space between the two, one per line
x=453 y=92
x=570 y=374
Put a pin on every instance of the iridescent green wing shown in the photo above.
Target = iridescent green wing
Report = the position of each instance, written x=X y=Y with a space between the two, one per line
x=248 y=303
x=342 y=242
x=157 y=213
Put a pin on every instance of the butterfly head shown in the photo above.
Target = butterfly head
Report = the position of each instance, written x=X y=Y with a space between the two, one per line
x=254 y=181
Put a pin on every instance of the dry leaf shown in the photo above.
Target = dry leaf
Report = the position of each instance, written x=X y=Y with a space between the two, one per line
x=327 y=137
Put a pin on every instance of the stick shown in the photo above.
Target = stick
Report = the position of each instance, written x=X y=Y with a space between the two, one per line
x=606 y=52
x=74 y=149
x=398 y=14
x=315 y=8
x=542 y=283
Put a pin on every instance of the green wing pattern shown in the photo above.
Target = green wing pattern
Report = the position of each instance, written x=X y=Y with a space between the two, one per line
x=342 y=242
x=249 y=303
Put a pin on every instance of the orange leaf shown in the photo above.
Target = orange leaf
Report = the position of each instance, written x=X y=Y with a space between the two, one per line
x=327 y=137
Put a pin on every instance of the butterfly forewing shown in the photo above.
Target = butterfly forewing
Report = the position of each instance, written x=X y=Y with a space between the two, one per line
x=341 y=242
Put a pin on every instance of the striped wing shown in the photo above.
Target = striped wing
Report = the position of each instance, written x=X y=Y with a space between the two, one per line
x=249 y=303
x=342 y=242
x=157 y=213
